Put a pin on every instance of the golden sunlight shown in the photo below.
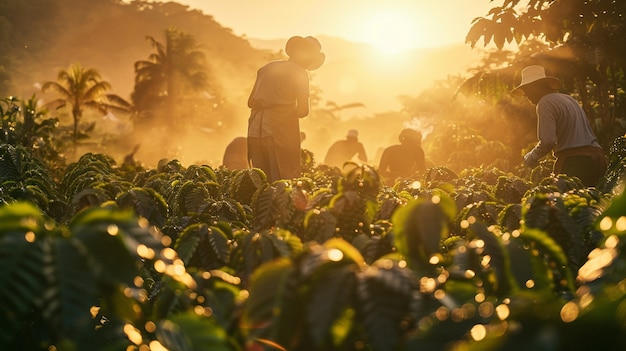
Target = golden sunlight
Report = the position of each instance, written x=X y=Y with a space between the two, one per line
x=391 y=31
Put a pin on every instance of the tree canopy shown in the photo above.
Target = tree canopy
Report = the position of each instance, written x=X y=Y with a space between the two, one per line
x=584 y=41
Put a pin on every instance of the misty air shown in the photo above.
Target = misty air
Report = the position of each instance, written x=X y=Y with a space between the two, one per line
x=330 y=175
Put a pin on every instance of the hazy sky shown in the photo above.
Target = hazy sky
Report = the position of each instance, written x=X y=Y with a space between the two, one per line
x=389 y=24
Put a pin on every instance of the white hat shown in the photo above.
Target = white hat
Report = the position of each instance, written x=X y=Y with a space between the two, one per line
x=532 y=74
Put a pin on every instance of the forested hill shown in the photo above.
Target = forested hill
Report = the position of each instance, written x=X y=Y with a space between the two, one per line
x=40 y=37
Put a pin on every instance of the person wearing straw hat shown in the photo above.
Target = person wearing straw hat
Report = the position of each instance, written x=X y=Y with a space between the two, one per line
x=562 y=127
x=279 y=98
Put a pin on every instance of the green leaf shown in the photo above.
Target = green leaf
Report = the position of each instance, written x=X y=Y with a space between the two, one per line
x=111 y=239
x=146 y=203
x=385 y=294
x=203 y=246
x=349 y=253
x=200 y=174
x=71 y=292
x=293 y=245
x=319 y=225
x=547 y=212
x=246 y=183
x=420 y=226
x=192 y=198
x=539 y=240
x=330 y=295
x=262 y=206
x=20 y=217
x=499 y=260
x=510 y=216
x=617 y=207
x=188 y=242
x=221 y=295
x=190 y=332
x=267 y=310
x=254 y=249
x=23 y=279
x=10 y=163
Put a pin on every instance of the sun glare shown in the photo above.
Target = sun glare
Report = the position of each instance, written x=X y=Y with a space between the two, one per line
x=391 y=32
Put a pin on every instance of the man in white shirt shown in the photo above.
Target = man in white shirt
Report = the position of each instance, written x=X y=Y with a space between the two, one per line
x=562 y=127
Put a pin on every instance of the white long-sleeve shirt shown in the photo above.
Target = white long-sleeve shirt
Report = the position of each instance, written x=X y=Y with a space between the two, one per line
x=561 y=124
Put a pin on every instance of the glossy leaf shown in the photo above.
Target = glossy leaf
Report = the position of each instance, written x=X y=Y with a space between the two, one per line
x=190 y=332
x=420 y=226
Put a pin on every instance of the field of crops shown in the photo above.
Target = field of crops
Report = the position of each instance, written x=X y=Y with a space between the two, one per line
x=117 y=257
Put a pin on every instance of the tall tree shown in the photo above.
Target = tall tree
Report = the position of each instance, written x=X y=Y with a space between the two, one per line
x=176 y=69
x=80 y=88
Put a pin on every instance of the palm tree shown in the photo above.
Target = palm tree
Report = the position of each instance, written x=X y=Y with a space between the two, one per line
x=176 y=68
x=81 y=88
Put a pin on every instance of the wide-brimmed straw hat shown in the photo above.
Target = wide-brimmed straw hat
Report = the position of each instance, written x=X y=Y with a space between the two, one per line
x=307 y=51
x=533 y=74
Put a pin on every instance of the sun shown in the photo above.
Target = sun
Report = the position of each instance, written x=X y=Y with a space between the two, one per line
x=391 y=31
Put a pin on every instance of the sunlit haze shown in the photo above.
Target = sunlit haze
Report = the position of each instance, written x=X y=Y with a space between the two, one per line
x=376 y=52
x=391 y=25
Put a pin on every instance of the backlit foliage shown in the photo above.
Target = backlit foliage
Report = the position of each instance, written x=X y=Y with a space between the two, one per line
x=199 y=258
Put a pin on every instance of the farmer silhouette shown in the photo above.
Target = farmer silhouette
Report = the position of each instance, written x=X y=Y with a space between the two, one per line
x=344 y=150
x=405 y=159
x=279 y=98
x=236 y=154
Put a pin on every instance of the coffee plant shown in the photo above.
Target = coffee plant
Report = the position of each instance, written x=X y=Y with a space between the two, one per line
x=111 y=257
